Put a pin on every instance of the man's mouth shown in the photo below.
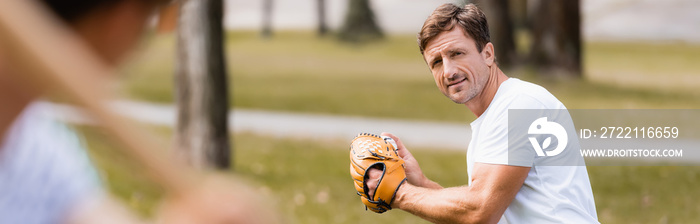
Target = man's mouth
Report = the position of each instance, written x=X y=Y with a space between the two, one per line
x=458 y=81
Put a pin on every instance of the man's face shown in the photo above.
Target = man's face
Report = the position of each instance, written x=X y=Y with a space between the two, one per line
x=459 y=69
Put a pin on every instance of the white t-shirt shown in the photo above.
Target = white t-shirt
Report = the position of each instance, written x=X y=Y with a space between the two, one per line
x=550 y=194
x=44 y=170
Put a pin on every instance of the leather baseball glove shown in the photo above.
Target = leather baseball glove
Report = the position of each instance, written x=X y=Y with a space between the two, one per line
x=374 y=151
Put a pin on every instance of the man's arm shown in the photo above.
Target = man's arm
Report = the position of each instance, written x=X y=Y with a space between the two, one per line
x=492 y=189
x=484 y=201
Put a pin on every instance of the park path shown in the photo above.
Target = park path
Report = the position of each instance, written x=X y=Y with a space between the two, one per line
x=422 y=134
x=320 y=127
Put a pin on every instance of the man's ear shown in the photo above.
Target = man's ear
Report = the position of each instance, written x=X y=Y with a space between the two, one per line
x=488 y=54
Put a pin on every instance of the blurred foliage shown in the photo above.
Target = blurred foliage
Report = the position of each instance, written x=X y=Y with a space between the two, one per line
x=309 y=182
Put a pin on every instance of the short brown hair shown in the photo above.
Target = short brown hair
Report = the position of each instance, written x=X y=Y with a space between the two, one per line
x=470 y=18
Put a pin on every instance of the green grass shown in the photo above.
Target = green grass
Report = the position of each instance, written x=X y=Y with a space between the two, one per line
x=297 y=71
x=667 y=67
x=310 y=182
x=646 y=194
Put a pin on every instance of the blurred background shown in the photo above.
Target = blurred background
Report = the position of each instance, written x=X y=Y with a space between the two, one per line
x=304 y=76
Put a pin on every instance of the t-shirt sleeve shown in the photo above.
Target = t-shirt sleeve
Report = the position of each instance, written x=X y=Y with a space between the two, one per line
x=493 y=145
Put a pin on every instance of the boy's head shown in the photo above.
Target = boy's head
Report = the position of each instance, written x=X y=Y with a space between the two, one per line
x=110 y=27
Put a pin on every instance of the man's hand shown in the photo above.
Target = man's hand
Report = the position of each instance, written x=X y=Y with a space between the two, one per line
x=413 y=172
x=368 y=151
x=374 y=175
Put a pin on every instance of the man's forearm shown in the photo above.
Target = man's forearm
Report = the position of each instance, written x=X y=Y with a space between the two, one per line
x=446 y=205
x=427 y=183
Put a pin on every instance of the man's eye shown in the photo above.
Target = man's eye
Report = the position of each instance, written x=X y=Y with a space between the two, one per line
x=436 y=62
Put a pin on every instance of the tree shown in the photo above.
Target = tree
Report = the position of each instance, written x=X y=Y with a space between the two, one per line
x=201 y=88
x=267 y=19
x=501 y=29
x=360 y=24
x=321 y=11
x=556 y=34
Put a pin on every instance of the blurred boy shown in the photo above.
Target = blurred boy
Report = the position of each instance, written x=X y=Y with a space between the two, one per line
x=45 y=174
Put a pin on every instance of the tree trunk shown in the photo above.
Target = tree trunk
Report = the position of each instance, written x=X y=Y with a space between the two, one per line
x=360 y=25
x=501 y=29
x=518 y=14
x=556 y=33
x=202 y=96
x=321 y=10
x=267 y=19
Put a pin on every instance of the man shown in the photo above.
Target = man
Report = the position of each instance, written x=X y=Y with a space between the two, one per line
x=45 y=174
x=456 y=47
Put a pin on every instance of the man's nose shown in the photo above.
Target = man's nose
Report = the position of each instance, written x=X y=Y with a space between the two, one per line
x=449 y=69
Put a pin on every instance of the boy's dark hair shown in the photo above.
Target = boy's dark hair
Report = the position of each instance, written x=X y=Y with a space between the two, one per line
x=70 y=10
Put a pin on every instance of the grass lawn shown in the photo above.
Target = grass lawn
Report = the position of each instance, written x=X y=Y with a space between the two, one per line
x=297 y=71
x=310 y=182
